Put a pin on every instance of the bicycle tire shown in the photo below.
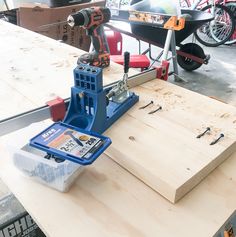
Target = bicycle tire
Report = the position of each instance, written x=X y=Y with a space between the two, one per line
x=232 y=7
x=185 y=3
x=208 y=35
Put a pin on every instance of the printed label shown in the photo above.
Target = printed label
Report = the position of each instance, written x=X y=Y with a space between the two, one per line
x=68 y=141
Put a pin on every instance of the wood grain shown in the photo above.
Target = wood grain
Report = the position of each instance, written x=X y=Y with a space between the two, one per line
x=38 y=68
x=106 y=200
x=164 y=151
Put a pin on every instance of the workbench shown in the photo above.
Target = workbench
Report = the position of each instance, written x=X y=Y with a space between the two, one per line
x=106 y=200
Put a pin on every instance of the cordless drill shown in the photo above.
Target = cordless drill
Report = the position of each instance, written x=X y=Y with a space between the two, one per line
x=92 y=19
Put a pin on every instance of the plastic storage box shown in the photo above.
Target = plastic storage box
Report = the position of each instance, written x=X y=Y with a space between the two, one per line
x=31 y=161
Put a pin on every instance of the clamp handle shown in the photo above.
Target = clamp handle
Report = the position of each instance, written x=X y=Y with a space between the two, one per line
x=126 y=62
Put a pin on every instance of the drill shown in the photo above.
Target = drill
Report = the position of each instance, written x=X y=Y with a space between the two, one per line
x=92 y=19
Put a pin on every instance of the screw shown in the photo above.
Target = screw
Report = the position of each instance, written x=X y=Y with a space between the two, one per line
x=154 y=111
x=69 y=133
x=202 y=134
x=214 y=142
x=47 y=156
x=145 y=106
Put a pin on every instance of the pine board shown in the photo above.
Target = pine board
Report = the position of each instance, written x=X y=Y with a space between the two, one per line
x=162 y=149
x=38 y=68
x=106 y=201
x=169 y=137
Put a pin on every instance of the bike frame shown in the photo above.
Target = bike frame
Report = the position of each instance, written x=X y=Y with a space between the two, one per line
x=199 y=3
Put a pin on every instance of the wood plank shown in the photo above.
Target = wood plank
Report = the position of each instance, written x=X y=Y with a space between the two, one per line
x=48 y=72
x=106 y=200
x=10 y=96
x=162 y=149
x=38 y=67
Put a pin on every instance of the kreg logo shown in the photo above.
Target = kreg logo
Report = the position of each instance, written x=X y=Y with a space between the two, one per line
x=48 y=133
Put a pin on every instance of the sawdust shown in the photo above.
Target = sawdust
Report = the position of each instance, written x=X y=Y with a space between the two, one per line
x=179 y=96
x=168 y=93
x=25 y=49
x=58 y=64
x=158 y=89
x=13 y=69
x=225 y=115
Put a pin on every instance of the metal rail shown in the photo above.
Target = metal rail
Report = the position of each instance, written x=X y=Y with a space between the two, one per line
x=22 y=120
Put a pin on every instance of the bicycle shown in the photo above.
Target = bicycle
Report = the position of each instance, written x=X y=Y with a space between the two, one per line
x=232 y=6
x=219 y=30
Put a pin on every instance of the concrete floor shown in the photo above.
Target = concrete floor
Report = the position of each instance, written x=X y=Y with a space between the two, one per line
x=217 y=79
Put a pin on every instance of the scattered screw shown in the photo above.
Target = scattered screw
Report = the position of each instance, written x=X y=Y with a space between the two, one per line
x=145 y=106
x=214 y=142
x=47 y=156
x=131 y=138
x=202 y=134
x=58 y=160
x=154 y=111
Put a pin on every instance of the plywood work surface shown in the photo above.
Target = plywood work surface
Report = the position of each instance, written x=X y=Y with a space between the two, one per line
x=37 y=68
x=162 y=149
x=106 y=201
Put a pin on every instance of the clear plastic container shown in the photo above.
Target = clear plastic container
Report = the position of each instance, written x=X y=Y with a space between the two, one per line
x=32 y=162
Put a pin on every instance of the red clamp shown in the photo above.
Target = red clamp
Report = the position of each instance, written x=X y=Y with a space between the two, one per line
x=57 y=109
x=163 y=70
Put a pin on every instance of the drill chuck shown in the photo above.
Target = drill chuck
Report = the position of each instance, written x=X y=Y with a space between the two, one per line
x=89 y=17
x=76 y=19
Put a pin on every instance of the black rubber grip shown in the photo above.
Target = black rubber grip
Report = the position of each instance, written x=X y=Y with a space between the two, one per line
x=78 y=18
x=126 y=62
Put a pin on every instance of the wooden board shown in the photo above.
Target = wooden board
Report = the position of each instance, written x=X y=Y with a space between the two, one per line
x=38 y=68
x=176 y=161
x=106 y=201
x=162 y=149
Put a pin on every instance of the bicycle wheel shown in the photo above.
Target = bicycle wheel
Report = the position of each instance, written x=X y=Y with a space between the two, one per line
x=232 y=7
x=185 y=3
x=219 y=30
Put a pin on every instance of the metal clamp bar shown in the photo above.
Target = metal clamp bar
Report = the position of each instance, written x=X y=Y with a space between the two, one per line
x=22 y=120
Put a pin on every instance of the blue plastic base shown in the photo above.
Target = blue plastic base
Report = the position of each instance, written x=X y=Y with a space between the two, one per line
x=88 y=107
x=89 y=114
x=115 y=110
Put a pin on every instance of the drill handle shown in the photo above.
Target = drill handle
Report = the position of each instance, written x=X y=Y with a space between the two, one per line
x=98 y=39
